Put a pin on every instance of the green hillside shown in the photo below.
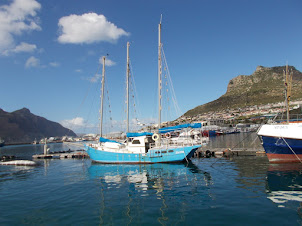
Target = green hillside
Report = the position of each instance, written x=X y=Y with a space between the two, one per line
x=265 y=85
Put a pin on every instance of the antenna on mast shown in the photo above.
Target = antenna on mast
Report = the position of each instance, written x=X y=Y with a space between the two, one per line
x=161 y=17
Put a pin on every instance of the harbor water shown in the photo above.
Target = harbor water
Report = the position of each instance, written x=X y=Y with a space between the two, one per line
x=243 y=190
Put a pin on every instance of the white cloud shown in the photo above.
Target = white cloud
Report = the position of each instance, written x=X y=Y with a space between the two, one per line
x=78 y=70
x=95 y=78
x=23 y=47
x=17 y=18
x=54 y=64
x=32 y=62
x=77 y=124
x=88 y=28
x=108 y=62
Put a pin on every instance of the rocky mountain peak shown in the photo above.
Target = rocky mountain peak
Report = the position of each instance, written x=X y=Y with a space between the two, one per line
x=259 y=68
x=265 y=85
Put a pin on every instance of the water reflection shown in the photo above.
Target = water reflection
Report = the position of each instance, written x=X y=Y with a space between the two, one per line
x=143 y=177
x=158 y=191
x=284 y=185
x=15 y=173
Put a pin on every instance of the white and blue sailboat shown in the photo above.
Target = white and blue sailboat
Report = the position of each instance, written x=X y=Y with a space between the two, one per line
x=142 y=147
x=282 y=142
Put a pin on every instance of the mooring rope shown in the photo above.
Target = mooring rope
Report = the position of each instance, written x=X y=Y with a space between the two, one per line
x=185 y=156
x=291 y=149
x=235 y=146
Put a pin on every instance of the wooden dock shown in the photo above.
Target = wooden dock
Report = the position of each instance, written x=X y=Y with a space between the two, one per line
x=62 y=155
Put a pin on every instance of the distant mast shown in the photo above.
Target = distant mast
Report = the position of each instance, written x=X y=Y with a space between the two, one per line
x=159 y=75
x=127 y=76
x=288 y=88
x=102 y=97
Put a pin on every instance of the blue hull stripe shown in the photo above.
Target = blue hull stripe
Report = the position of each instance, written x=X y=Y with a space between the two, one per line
x=273 y=145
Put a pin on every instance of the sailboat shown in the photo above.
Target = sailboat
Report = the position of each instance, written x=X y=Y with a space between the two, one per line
x=144 y=147
x=282 y=142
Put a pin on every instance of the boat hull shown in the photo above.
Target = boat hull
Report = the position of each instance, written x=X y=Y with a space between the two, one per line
x=282 y=150
x=282 y=142
x=152 y=156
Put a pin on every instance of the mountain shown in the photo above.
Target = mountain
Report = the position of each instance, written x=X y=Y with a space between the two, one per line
x=23 y=126
x=265 y=85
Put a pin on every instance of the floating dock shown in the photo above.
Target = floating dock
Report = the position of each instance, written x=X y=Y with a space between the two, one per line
x=62 y=155
x=227 y=152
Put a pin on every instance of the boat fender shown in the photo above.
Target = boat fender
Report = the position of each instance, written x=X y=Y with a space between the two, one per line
x=168 y=135
x=208 y=153
x=155 y=137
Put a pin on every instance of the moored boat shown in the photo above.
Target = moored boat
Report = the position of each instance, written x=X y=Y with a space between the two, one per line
x=282 y=142
x=35 y=142
x=140 y=147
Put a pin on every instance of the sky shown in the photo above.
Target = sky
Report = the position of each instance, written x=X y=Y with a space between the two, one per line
x=51 y=51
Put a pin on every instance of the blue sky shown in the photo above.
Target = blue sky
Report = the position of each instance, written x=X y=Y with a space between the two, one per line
x=50 y=51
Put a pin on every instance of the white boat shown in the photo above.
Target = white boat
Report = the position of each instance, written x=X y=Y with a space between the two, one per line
x=35 y=142
x=19 y=163
x=282 y=141
x=140 y=147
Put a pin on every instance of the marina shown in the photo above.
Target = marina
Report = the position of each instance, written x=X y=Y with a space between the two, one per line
x=244 y=190
x=84 y=141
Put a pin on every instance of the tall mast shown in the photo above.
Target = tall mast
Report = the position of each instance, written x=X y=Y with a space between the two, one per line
x=127 y=74
x=159 y=75
x=102 y=97
x=288 y=86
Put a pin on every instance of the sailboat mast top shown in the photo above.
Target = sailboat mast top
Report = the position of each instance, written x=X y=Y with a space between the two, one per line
x=102 y=97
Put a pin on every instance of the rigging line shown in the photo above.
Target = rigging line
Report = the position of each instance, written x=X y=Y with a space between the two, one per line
x=291 y=150
x=135 y=90
x=82 y=103
x=171 y=83
x=177 y=108
x=123 y=109
x=92 y=103
x=109 y=109
x=91 y=106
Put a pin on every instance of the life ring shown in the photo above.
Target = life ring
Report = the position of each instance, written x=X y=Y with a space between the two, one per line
x=168 y=135
x=155 y=137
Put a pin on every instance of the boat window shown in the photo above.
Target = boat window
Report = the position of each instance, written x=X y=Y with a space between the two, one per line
x=136 y=142
x=171 y=151
x=157 y=152
x=164 y=152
